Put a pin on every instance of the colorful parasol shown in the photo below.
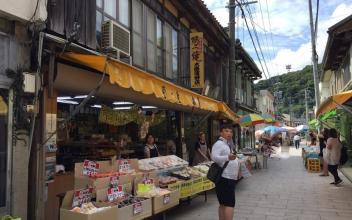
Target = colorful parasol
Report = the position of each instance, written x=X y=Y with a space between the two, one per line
x=251 y=120
x=274 y=129
x=268 y=118
x=301 y=128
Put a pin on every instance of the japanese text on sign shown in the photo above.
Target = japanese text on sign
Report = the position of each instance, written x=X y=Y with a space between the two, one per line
x=124 y=166
x=90 y=168
x=82 y=196
x=166 y=198
x=115 y=193
x=137 y=208
x=197 y=60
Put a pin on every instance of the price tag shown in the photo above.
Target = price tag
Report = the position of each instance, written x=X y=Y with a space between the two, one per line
x=148 y=181
x=137 y=208
x=90 y=168
x=166 y=199
x=124 y=166
x=115 y=193
x=114 y=181
x=82 y=196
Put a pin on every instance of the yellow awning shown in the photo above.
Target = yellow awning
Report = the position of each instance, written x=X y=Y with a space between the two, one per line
x=129 y=77
x=333 y=101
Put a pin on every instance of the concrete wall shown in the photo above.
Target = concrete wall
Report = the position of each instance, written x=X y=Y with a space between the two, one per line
x=23 y=10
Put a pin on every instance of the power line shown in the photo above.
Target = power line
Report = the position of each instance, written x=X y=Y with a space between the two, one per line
x=270 y=30
x=250 y=34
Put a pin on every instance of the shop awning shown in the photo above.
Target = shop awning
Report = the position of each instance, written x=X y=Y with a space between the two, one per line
x=333 y=101
x=129 y=77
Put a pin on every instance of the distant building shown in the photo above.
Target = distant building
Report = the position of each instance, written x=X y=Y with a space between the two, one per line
x=265 y=102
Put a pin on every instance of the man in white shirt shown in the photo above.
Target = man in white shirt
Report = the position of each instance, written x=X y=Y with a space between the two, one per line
x=225 y=187
x=297 y=140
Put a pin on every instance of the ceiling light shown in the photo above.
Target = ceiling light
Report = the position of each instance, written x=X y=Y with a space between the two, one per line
x=122 y=108
x=81 y=96
x=147 y=107
x=122 y=103
x=67 y=102
x=64 y=98
x=96 y=106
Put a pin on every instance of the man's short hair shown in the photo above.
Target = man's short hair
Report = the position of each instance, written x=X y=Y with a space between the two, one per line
x=225 y=126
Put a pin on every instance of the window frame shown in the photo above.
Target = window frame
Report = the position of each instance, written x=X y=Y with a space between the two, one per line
x=117 y=19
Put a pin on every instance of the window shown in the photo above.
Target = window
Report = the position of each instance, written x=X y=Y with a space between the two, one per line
x=124 y=14
x=151 y=41
x=160 y=47
x=3 y=150
x=174 y=54
x=184 y=57
x=137 y=33
x=110 y=8
x=171 y=52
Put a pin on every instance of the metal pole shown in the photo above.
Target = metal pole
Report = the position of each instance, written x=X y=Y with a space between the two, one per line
x=314 y=56
x=232 y=62
x=306 y=100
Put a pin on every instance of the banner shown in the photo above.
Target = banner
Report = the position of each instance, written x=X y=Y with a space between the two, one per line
x=197 y=60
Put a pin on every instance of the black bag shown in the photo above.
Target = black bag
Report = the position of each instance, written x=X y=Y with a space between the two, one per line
x=344 y=155
x=215 y=172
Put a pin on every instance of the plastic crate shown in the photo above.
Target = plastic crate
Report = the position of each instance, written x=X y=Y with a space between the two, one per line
x=186 y=189
x=313 y=165
x=197 y=185
x=174 y=186
x=207 y=184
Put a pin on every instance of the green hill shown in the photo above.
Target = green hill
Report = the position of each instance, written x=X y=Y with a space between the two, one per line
x=292 y=86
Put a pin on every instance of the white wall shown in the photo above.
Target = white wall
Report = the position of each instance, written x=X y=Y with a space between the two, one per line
x=23 y=10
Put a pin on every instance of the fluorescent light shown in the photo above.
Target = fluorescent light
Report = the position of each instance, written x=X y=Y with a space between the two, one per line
x=81 y=96
x=146 y=107
x=96 y=106
x=64 y=98
x=67 y=102
x=122 y=108
x=122 y=103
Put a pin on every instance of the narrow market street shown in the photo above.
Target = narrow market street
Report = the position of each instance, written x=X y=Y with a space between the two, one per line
x=284 y=191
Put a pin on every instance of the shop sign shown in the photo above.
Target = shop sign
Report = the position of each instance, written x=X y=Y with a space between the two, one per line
x=124 y=166
x=137 y=208
x=166 y=199
x=115 y=193
x=197 y=59
x=114 y=181
x=82 y=196
x=90 y=168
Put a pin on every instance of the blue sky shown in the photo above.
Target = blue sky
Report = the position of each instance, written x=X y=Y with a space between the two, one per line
x=287 y=39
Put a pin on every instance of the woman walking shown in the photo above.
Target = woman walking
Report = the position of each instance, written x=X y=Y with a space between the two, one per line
x=333 y=149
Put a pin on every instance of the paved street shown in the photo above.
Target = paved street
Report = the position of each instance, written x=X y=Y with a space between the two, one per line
x=284 y=191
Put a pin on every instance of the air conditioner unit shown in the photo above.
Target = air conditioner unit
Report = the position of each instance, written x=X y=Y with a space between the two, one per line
x=116 y=37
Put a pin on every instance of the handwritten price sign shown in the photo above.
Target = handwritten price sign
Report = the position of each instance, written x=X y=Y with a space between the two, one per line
x=82 y=196
x=90 y=168
x=124 y=166
x=166 y=199
x=114 y=181
x=137 y=208
x=115 y=193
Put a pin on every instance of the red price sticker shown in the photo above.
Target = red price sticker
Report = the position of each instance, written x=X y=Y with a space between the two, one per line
x=82 y=196
x=115 y=193
x=124 y=166
x=90 y=168
x=137 y=208
x=166 y=198
x=114 y=181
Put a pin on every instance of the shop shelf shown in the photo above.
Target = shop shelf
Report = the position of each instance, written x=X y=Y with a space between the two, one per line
x=313 y=165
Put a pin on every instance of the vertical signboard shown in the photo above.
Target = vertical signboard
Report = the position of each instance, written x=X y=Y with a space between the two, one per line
x=197 y=59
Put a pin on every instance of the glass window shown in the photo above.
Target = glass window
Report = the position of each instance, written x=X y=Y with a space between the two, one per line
x=168 y=50
x=110 y=7
x=124 y=9
x=174 y=54
x=99 y=3
x=159 y=39
x=151 y=39
x=3 y=150
x=137 y=37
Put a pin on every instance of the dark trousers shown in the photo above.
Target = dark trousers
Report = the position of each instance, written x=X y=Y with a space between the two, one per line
x=297 y=144
x=333 y=170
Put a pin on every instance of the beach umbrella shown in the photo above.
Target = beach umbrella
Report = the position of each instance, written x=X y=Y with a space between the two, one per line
x=301 y=128
x=268 y=118
x=251 y=120
x=290 y=129
x=258 y=133
x=274 y=129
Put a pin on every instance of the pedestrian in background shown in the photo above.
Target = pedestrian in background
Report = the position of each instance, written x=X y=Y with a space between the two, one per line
x=297 y=140
x=333 y=151
x=202 y=152
x=323 y=137
x=313 y=138
x=225 y=187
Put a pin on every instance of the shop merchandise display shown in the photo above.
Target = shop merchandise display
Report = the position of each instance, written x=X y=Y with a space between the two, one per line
x=202 y=168
x=163 y=162
x=88 y=208
x=164 y=181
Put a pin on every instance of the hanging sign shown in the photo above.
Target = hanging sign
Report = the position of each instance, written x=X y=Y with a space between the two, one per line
x=124 y=166
x=197 y=59
x=82 y=196
x=90 y=168
x=137 y=208
x=115 y=193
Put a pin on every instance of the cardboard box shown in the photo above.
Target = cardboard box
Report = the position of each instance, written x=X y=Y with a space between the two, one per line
x=101 y=194
x=165 y=202
x=67 y=214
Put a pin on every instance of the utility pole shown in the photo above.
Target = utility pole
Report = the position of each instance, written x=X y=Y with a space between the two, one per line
x=314 y=56
x=232 y=64
x=306 y=100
